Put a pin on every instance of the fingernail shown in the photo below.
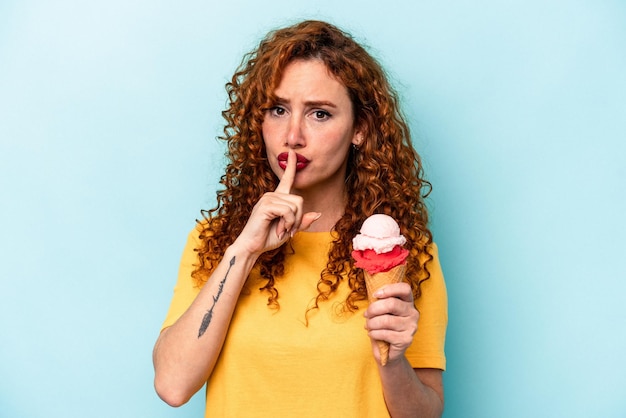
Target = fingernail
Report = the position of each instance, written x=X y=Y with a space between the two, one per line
x=379 y=293
x=319 y=215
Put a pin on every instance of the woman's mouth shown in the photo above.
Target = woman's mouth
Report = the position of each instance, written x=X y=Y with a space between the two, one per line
x=301 y=163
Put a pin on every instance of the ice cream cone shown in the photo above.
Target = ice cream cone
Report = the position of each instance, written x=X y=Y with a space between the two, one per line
x=375 y=281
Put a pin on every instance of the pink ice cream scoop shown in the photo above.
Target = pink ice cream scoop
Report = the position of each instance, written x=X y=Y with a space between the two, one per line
x=378 y=246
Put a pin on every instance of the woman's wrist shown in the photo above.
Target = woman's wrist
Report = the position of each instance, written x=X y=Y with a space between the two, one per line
x=241 y=254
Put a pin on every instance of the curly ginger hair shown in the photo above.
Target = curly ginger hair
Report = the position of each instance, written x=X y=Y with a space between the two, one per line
x=384 y=174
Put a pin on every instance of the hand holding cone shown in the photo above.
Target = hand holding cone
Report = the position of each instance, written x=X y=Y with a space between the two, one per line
x=375 y=281
x=378 y=251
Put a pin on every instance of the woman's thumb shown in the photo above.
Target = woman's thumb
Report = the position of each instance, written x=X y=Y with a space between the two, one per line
x=308 y=219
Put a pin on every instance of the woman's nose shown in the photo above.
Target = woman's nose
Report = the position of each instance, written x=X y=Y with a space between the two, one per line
x=295 y=134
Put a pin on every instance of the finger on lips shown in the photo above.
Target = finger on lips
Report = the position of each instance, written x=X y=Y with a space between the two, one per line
x=288 y=221
x=284 y=186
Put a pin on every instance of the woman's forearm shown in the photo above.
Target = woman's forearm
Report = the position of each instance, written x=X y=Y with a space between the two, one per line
x=185 y=353
x=411 y=393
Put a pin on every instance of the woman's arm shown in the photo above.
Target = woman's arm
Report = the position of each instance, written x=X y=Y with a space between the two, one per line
x=408 y=392
x=185 y=353
x=412 y=392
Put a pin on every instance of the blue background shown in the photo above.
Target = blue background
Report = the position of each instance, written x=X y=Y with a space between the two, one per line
x=108 y=116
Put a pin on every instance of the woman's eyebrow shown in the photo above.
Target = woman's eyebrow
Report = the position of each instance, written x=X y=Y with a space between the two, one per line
x=309 y=103
x=320 y=103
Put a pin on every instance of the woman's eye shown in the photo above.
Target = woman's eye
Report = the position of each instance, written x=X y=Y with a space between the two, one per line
x=321 y=114
x=277 y=111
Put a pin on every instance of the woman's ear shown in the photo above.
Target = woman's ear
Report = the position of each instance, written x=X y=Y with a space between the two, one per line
x=357 y=139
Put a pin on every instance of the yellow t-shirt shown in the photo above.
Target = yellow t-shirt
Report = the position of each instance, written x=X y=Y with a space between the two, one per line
x=272 y=365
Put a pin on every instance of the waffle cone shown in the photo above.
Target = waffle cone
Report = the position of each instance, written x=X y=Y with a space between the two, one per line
x=375 y=281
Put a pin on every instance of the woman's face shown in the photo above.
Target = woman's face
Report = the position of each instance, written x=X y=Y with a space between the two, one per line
x=313 y=115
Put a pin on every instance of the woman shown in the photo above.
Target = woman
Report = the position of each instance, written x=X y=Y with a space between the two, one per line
x=268 y=310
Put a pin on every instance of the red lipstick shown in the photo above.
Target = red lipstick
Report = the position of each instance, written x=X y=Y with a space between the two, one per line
x=301 y=163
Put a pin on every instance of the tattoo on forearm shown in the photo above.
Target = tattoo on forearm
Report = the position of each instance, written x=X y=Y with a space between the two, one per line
x=209 y=314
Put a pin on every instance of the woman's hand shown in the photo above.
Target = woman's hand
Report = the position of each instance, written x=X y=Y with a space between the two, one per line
x=276 y=217
x=392 y=318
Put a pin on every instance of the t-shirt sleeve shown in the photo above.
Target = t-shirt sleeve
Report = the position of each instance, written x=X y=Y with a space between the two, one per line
x=185 y=290
x=427 y=350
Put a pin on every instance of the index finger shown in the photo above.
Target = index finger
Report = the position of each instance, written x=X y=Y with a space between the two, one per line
x=289 y=175
x=398 y=290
